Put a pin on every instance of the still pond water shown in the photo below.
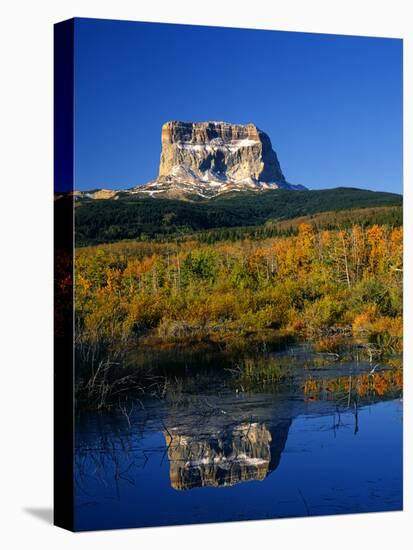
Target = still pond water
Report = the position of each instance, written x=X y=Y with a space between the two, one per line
x=331 y=443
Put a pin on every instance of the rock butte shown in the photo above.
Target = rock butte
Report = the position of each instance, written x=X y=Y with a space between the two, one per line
x=206 y=159
x=210 y=158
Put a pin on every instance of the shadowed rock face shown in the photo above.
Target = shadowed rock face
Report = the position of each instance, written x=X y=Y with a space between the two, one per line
x=249 y=451
x=211 y=158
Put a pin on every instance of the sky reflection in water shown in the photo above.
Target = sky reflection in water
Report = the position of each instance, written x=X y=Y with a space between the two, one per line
x=240 y=456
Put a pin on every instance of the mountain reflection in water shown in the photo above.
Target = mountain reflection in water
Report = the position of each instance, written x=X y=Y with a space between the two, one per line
x=240 y=453
x=222 y=455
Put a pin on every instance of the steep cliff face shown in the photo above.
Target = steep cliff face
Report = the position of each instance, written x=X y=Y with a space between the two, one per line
x=200 y=160
x=216 y=150
x=210 y=158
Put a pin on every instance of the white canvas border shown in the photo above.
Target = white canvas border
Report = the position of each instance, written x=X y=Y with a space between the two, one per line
x=26 y=269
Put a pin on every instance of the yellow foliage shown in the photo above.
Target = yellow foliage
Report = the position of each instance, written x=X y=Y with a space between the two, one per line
x=306 y=283
x=363 y=321
x=391 y=325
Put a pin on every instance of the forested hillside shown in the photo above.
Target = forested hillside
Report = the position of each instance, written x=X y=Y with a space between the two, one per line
x=100 y=221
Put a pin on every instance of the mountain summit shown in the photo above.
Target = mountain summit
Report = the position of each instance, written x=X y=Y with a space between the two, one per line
x=206 y=159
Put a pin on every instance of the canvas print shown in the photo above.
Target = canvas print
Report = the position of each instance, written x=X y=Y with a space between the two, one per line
x=229 y=274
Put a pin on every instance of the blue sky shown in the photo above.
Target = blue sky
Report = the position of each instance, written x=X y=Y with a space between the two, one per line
x=332 y=105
